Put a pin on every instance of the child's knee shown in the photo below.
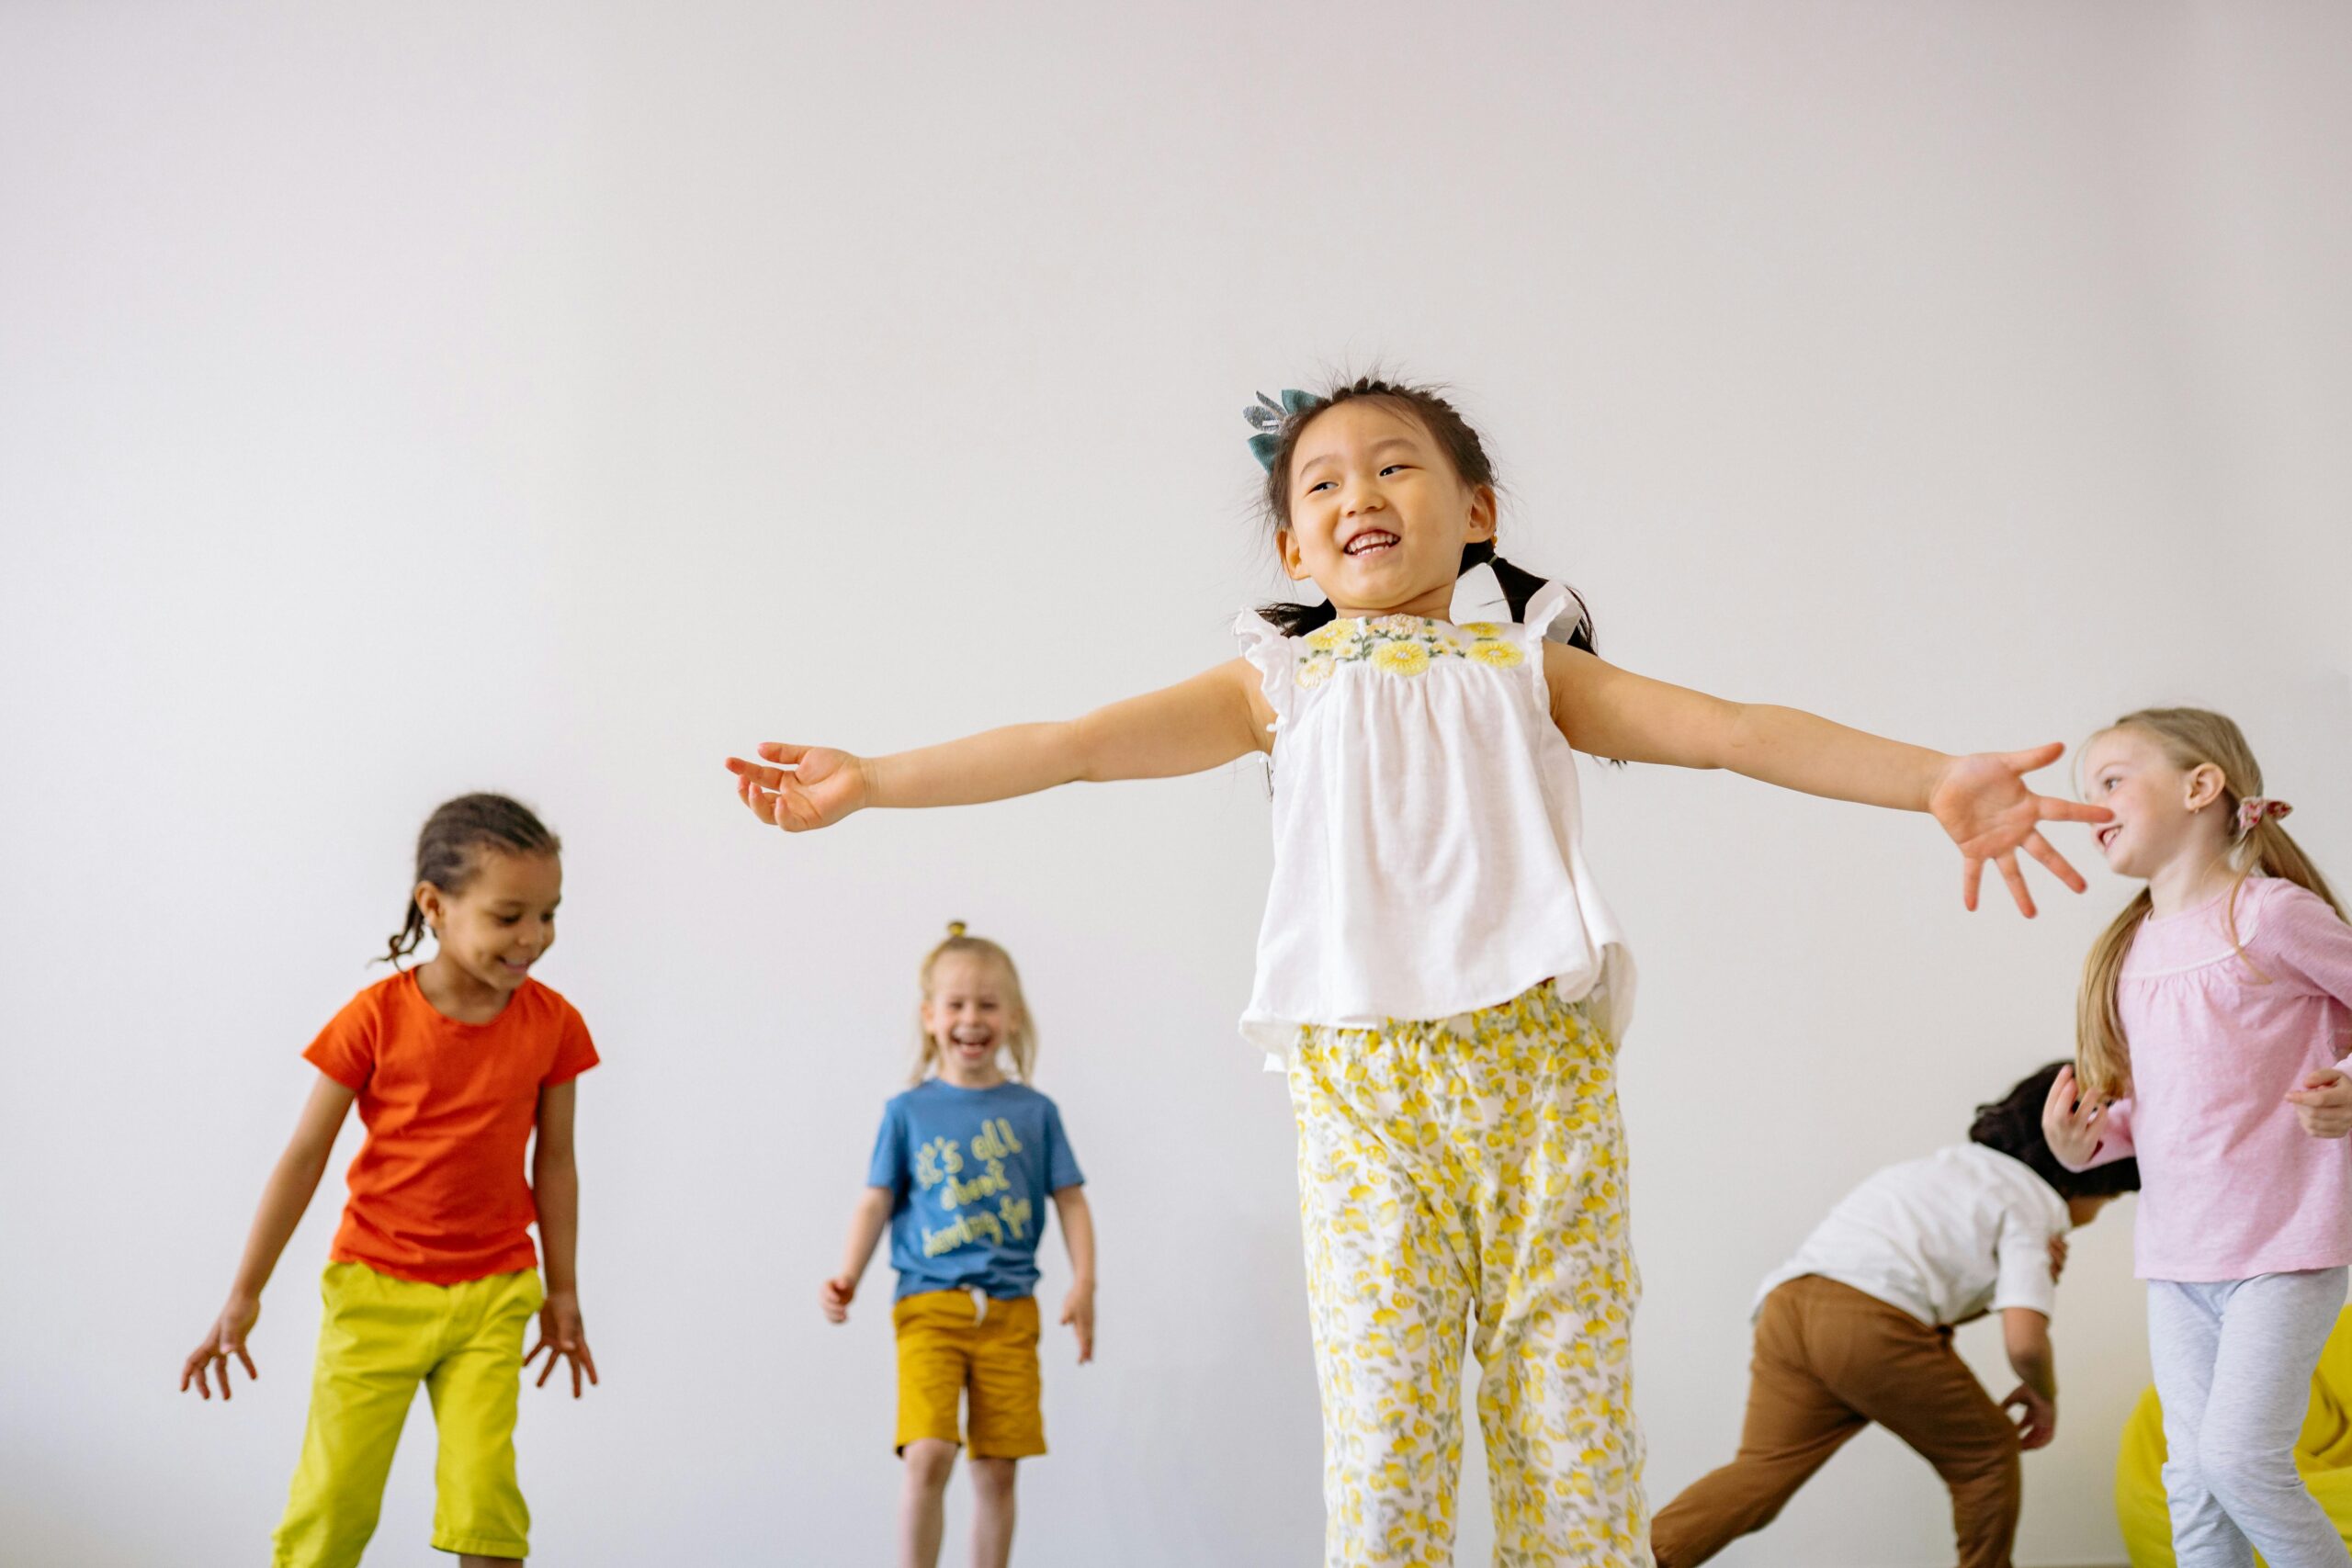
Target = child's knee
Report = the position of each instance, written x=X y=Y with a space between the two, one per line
x=1996 y=1464
x=930 y=1461
x=2243 y=1475
x=992 y=1479
x=1984 y=1472
x=1993 y=1480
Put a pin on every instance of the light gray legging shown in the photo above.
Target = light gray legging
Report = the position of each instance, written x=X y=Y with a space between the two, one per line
x=2234 y=1369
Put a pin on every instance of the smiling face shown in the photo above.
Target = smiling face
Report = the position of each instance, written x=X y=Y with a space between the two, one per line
x=969 y=1016
x=1378 y=514
x=501 y=921
x=2164 y=812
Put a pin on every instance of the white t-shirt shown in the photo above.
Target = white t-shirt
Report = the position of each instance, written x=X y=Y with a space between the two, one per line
x=1946 y=1238
x=1426 y=823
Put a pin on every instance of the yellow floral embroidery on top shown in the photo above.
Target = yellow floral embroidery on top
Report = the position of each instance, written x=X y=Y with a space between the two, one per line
x=1337 y=637
x=1404 y=646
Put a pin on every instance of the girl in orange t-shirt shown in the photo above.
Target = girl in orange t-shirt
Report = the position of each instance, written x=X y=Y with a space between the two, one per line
x=433 y=1277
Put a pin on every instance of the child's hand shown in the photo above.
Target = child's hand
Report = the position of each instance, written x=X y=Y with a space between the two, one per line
x=2038 y=1417
x=225 y=1338
x=1984 y=804
x=1078 y=1310
x=562 y=1337
x=2070 y=1123
x=2324 y=1103
x=834 y=1296
x=2057 y=1258
x=802 y=787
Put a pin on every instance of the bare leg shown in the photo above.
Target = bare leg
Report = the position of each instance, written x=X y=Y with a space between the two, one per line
x=930 y=1461
x=472 y=1560
x=992 y=1512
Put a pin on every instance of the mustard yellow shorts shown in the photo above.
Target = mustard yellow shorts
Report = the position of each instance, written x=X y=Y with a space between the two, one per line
x=380 y=1338
x=949 y=1346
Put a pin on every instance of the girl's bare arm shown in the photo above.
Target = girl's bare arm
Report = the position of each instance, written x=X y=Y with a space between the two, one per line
x=1980 y=800
x=283 y=1200
x=866 y=1223
x=1214 y=717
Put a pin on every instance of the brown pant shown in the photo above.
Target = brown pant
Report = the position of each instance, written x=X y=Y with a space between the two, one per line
x=1830 y=1360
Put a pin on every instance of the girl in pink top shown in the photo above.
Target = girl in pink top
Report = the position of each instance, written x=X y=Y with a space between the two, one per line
x=2214 y=1013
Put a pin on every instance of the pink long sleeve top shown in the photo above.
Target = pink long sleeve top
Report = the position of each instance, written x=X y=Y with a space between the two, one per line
x=2231 y=1184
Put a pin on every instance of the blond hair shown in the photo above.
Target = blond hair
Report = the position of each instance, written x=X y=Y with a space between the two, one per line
x=1020 y=1041
x=2190 y=739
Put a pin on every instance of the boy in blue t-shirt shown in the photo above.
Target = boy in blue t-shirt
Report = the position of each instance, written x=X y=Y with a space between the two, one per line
x=962 y=1168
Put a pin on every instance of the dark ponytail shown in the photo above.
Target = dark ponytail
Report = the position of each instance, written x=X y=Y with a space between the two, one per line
x=447 y=853
x=1461 y=446
x=1520 y=586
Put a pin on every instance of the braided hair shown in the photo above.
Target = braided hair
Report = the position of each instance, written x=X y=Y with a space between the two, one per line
x=448 y=852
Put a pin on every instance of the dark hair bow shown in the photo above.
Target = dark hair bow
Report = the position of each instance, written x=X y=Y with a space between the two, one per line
x=1266 y=417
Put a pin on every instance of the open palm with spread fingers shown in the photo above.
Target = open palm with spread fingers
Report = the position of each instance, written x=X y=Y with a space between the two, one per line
x=2071 y=1120
x=1983 y=803
x=799 y=788
x=563 y=1340
x=226 y=1338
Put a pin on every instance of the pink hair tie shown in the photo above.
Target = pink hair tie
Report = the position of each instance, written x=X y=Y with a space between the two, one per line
x=2255 y=808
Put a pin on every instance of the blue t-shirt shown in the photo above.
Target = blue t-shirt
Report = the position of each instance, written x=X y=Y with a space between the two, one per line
x=970 y=1171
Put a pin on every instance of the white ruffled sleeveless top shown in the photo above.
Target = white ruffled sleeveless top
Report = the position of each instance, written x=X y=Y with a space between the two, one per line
x=1428 y=859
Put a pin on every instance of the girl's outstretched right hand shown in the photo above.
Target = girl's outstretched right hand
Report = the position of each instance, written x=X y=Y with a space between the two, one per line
x=225 y=1338
x=2070 y=1122
x=799 y=788
x=834 y=1297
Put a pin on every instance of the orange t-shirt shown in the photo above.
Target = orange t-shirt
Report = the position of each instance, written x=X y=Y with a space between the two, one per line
x=438 y=1194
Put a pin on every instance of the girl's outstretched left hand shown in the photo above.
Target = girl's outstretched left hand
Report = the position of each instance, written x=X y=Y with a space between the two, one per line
x=2322 y=1103
x=1983 y=803
x=561 y=1336
x=1077 y=1312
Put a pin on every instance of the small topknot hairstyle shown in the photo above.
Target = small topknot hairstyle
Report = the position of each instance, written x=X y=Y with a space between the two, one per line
x=1020 y=1040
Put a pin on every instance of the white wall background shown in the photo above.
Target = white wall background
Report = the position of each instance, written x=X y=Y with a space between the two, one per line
x=401 y=399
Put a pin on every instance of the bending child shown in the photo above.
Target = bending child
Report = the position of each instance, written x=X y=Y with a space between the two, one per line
x=1436 y=966
x=1858 y=1327
x=961 y=1171
x=432 y=1279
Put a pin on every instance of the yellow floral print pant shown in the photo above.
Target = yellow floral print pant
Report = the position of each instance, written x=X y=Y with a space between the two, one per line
x=1471 y=1169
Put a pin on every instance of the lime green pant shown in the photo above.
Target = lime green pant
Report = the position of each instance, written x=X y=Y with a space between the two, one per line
x=380 y=1338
